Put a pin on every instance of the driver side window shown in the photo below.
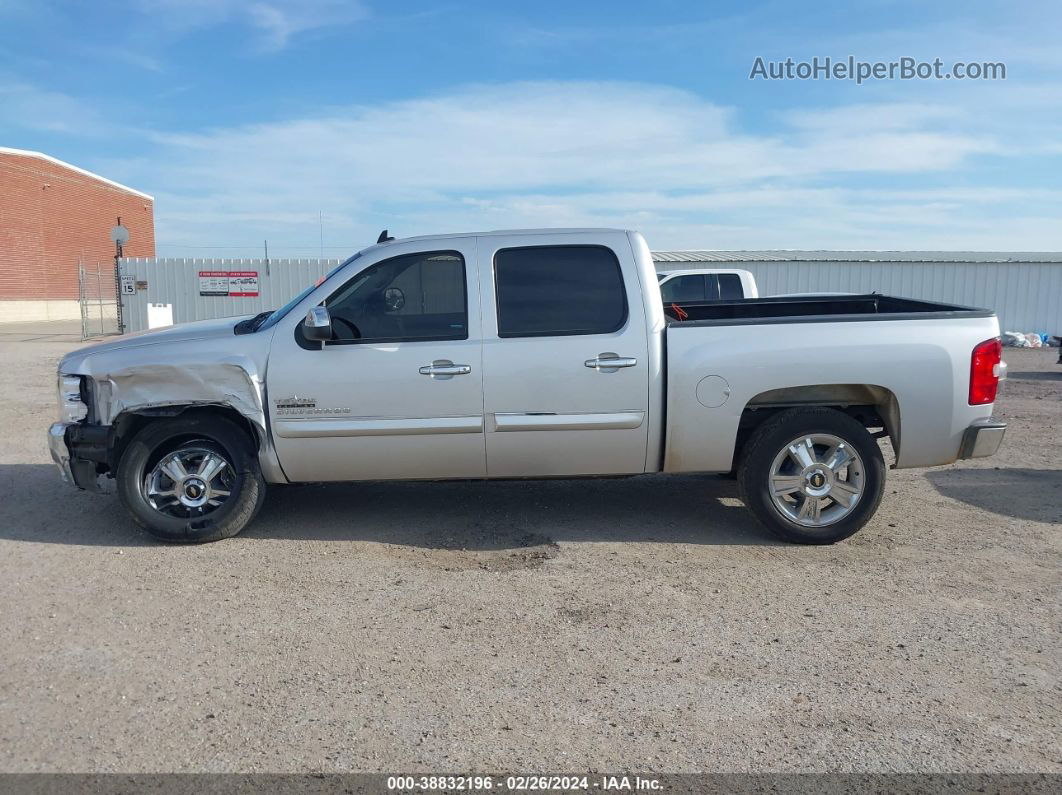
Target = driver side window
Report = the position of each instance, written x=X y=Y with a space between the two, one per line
x=408 y=298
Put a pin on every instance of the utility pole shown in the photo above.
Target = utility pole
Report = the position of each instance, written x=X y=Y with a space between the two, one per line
x=120 y=236
x=320 y=221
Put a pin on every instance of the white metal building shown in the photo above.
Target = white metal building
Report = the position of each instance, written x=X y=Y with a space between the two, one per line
x=1024 y=289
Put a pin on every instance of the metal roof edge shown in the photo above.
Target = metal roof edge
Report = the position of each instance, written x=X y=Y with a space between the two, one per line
x=7 y=150
x=800 y=255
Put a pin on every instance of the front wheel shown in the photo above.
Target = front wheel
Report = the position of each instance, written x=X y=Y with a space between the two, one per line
x=191 y=479
x=812 y=476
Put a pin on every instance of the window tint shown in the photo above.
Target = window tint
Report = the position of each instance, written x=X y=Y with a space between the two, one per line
x=683 y=288
x=730 y=286
x=412 y=297
x=702 y=287
x=559 y=290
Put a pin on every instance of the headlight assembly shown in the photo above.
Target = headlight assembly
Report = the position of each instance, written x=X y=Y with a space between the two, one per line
x=71 y=406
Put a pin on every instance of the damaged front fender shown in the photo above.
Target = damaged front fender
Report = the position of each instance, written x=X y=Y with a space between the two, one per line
x=235 y=384
x=223 y=370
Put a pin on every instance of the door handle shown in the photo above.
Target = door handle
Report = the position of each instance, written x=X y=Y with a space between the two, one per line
x=610 y=362
x=443 y=369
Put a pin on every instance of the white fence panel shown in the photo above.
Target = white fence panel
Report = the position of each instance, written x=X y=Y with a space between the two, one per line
x=175 y=281
x=1027 y=296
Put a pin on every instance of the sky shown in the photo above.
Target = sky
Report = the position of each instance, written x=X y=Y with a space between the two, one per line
x=314 y=124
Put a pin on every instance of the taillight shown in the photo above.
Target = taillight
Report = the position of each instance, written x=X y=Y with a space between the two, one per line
x=984 y=372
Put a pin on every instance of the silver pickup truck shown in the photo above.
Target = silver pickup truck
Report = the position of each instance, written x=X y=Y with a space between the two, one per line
x=529 y=354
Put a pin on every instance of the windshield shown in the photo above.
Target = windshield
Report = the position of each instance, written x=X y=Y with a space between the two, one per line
x=278 y=314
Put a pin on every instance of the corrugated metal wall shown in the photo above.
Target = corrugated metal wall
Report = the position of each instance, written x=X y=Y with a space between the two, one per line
x=1027 y=296
x=175 y=281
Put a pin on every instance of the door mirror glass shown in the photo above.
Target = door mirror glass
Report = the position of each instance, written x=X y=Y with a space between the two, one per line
x=318 y=324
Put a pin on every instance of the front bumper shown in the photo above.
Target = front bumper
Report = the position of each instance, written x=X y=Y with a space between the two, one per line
x=982 y=438
x=76 y=449
x=60 y=452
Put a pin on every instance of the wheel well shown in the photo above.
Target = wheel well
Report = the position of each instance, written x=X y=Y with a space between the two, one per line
x=874 y=407
x=130 y=423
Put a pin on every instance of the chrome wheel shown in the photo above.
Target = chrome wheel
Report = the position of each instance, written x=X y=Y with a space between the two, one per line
x=816 y=480
x=193 y=480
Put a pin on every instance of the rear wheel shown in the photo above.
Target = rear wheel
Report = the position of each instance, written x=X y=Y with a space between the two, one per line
x=812 y=476
x=191 y=479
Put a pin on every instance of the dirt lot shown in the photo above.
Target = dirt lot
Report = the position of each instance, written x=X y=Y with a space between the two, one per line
x=643 y=624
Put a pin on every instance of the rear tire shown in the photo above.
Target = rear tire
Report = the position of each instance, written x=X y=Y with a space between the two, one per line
x=812 y=476
x=157 y=480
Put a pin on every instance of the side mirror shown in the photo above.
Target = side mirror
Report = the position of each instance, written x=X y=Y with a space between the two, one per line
x=318 y=325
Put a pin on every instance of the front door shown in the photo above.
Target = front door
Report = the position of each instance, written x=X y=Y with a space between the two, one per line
x=565 y=356
x=397 y=393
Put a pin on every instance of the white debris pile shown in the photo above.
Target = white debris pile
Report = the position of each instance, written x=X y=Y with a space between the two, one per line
x=1018 y=339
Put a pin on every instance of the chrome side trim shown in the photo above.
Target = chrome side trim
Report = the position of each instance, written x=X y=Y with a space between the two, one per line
x=407 y=426
x=620 y=420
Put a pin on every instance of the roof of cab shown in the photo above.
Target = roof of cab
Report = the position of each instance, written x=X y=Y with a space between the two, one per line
x=498 y=232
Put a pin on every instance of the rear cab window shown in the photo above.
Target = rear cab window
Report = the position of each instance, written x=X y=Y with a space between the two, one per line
x=559 y=291
x=730 y=287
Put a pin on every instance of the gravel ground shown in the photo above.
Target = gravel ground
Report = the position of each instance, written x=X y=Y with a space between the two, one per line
x=644 y=624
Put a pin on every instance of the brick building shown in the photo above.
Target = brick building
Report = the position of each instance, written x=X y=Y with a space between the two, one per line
x=54 y=216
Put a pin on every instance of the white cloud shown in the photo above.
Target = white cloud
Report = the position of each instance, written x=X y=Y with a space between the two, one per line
x=530 y=135
x=861 y=117
x=30 y=107
x=578 y=153
x=274 y=22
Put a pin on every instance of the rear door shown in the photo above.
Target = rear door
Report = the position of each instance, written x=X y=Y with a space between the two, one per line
x=565 y=355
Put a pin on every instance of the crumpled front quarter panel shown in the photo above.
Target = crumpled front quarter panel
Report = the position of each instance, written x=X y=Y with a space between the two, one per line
x=231 y=383
x=227 y=371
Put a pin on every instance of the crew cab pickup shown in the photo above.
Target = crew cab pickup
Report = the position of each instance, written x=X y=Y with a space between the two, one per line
x=529 y=354
x=692 y=285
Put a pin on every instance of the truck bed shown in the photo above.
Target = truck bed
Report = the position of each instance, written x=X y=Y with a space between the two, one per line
x=726 y=356
x=813 y=309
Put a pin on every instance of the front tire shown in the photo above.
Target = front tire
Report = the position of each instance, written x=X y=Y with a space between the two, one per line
x=191 y=479
x=812 y=476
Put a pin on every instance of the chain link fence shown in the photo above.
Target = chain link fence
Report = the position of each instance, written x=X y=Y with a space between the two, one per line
x=98 y=297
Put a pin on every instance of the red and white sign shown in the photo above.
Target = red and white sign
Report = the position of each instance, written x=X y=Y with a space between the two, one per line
x=231 y=283
x=243 y=282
